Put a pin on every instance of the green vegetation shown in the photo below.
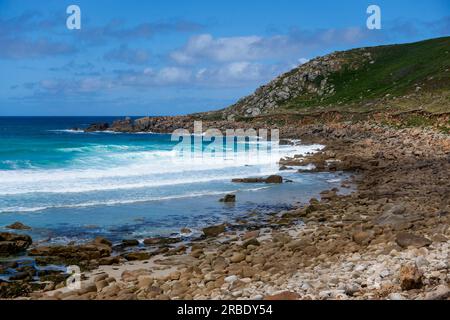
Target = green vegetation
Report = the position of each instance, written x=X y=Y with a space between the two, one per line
x=392 y=72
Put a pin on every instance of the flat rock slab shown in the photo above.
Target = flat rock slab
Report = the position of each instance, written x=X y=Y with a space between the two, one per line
x=405 y=240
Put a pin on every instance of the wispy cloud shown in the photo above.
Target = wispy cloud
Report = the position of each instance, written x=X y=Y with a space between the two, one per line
x=128 y=55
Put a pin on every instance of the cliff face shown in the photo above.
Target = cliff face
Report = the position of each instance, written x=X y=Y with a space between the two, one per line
x=309 y=79
x=366 y=78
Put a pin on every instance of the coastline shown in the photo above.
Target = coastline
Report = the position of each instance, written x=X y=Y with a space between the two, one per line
x=381 y=241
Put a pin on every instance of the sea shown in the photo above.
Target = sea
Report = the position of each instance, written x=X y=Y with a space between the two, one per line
x=71 y=186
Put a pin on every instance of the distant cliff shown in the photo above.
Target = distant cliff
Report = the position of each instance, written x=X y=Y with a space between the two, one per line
x=400 y=77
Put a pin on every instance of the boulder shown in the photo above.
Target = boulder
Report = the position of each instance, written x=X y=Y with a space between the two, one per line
x=229 y=198
x=18 y=226
x=99 y=248
x=362 y=237
x=139 y=255
x=97 y=127
x=270 y=179
x=441 y=292
x=274 y=179
x=130 y=242
x=410 y=277
x=405 y=240
x=11 y=243
x=160 y=241
x=214 y=231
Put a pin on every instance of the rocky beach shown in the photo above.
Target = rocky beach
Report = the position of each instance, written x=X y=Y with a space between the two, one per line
x=388 y=239
x=382 y=117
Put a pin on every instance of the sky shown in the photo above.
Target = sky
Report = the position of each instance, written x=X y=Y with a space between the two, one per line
x=174 y=57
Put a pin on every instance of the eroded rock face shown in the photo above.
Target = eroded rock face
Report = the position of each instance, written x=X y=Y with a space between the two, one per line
x=11 y=244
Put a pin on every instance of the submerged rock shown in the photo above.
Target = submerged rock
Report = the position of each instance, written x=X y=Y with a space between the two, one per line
x=271 y=179
x=228 y=198
x=11 y=243
x=18 y=226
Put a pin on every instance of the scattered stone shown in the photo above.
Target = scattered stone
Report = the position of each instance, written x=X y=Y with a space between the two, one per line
x=287 y=295
x=406 y=240
x=214 y=231
x=410 y=277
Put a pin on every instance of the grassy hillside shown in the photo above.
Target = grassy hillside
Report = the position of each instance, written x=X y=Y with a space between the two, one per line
x=394 y=71
x=392 y=78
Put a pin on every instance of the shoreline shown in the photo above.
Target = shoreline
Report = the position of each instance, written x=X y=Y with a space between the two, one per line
x=381 y=241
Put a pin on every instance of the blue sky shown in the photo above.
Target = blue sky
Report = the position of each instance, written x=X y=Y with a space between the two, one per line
x=179 y=56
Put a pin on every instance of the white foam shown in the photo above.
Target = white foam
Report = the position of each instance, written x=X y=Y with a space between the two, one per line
x=117 y=167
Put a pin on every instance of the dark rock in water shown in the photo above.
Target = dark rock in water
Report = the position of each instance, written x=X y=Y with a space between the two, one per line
x=130 y=242
x=126 y=125
x=270 y=179
x=11 y=243
x=97 y=127
x=99 y=248
x=274 y=179
x=405 y=240
x=228 y=198
x=18 y=226
x=214 y=231
x=248 y=180
x=21 y=276
x=160 y=241
x=285 y=142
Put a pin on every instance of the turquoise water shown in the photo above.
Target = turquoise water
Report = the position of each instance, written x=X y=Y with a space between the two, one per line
x=70 y=185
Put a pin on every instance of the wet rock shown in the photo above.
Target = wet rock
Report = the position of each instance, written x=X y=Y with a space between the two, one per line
x=228 y=198
x=410 y=277
x=214 y=231
x=161 y=241
x=130 y=242
x=274 y=179
x=11 y=244
x=99 y=248
x=405 y=240
x=97 y=127
x=18 y=226
x=271 y=179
